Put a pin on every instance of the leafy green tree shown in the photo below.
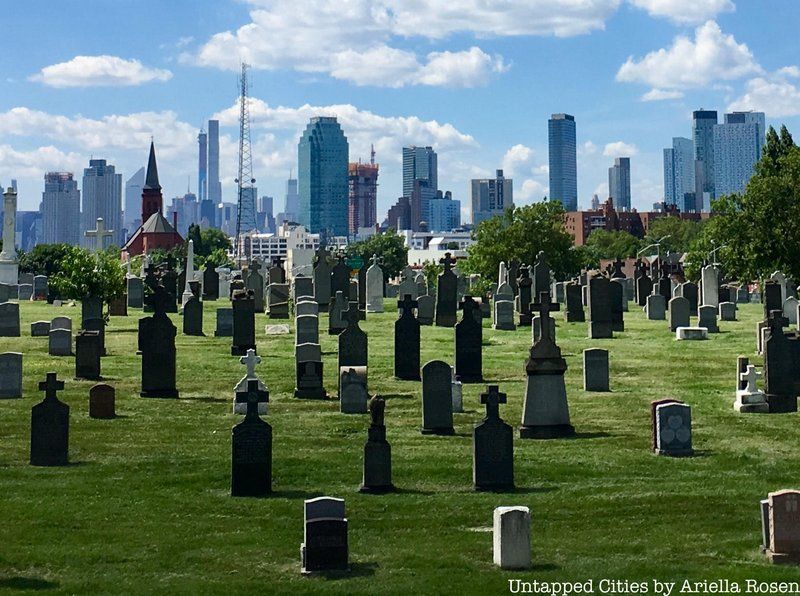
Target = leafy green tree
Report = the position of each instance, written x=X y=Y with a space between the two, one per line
x=389 y=246
x=520 y=233
x=84 y=274
x=758 y=229
x=208 y=240
x=44 y=259
x=612 y=245
x=681 y=233
x=431 y=271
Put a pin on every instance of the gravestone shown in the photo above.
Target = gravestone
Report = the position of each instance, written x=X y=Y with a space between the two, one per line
x=278 y=301
x=241 y=390
x=456 y=389
x=503 y=315
x=437 y=400
x=303 y=287
x=709 y=287
x=255 y=283
x=406 y=341
x=616 y=297
x=691 y=333
x=446 y=294
x=493 y=446
x=306 y=329
x=656 y=307
x=377 y=476
x=24 y=292
x=781 y=526
x=88 y=350
x=375 y=286
x=654 y=420
x=748 y=397
x=407 y=286
x=772 y=298
x=536 y=331
x=353 y=395
x=9 y=320
x=322 y=277
x=353 y=345
x=513 y=275
x=664 y=285
x=324 y=546
x=707 y=317
x=50 y=426
x=727 y=311
x=623 y=295
x=10 y=375
x=118 y=307
x=61 y=323
x=541 y=275
x=224 y=326
x=674 y=430
x=244 y=322
x=98 y=325
x=308 y=373
x=468 y=344
x=102 y=401
x=422 y=284
x=545 y=413
x=511 y=537
x=193 y=317
x=276 y=273
x=40 y=328
x=781 y=366
x=224 y=282
x=426 y=309
x=573 y=309
x=39 y=287
x=306 y=307
x=780 y=279
x=644 y=288
x=60 y=342
x=340 y=278
x=210 y=282
x=7 y=292
x=600 y=325
x=336 y=309
x=789 y=309
x=525 y=287
x=678 y=313
x=595 y=370
x=157 y=347
x=251 y=451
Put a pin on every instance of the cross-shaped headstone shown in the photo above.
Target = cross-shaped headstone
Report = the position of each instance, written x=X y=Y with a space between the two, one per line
x=277 y=262
x=492 y=399
x=447 y=261
x=254 y=265
x=468 y=305
x=252 y=398
x=376 y=259
x=777 y=320
x=407 y=304
x=250 y=361
x=543 y=306
x=99 y=234
x=159 y=299
x=352 y=314
x=51 y=385
x=750 y=377
x=524 y=272
x=618 y=265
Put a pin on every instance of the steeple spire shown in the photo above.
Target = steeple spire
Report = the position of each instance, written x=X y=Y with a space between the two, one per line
x=151 y=179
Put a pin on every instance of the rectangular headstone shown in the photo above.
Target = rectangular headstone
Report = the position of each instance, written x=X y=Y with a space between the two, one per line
x=595 y=369
x=10 y=375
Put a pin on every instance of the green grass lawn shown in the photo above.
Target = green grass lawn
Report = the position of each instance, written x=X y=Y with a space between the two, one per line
x=145 y=506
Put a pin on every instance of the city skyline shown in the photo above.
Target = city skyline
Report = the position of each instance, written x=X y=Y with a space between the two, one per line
x=59 y=111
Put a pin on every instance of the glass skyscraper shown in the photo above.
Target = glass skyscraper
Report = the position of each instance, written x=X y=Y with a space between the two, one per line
x=619 y=183
x=102 y=197
x=419 y=163
x=491 y=196
x=61 y=209
x=679 y=174
x=322 y=158
x=703 y=122
x=737 y=148
x=563 y=160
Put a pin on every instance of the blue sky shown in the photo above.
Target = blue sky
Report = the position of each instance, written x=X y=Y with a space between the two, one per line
x=477 y=79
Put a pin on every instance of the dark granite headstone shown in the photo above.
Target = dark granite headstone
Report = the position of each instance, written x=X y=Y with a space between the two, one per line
x=377 y=452
x=87 y=355
x=224 y=326
x=600 y=325
x=118 y=307
x=689 y=291
x=781 y=366
x=9 y=320
x=50 y=426
x=353 y=346
x=446 y=294
x=324 y=545
x=193 y=317
x=336 y=310
x=541 y=275
x=674 y=429
x=169 y=279
x=437 y=398
x=102 y=401
x=309 y=376
x=653 y=425
x=157 y=347
x=91 y=308
x=340 y=279
x=255 y=283
x=595 y=369
x=773 y=298
x=322 y=277
x=406 y=341
x=573 y=310
x=98 y=325
x=644 y=287
x=210 y=282
x=278 y=300
x=244 y=322
x=617 y=295
x=251 y=451
x=525 y=296
x=276 y=273
x=468 y=347
x=493 y=446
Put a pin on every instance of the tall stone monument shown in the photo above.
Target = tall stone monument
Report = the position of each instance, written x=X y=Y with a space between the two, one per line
x=9 y=269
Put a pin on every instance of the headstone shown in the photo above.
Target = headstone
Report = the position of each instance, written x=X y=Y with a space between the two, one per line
x=157 y=347
x=193 y=317
x=61 y=323
x=437 y=400
x=306 y=329
x=674 y=430
x=39 y=287
x=456 y=389
x=375 y=286
x=277 y=273
x=422 y=284
x=600 y=325
x=749 y=399
x=50 y=426
x=8 y=291
x=727 y=311
x=324 y=546
x=709 y=287
x=408 y=286
x=780 y=279
x=512 y=538
x=678 y=313
x=306 y=307
x=224 y=282
x=278 y=301
x=102 y=401
x=40 y=328
x=91 y=308
x=493 y=446
x=426 y=309
x=469 y=344
x=98 y=325
x=118 y=307
x=244 y=322
x=789 y=309
x=322 y=277
x=573 y=310
x=10 y=375
x=617 y=296
x=781 y=366
x=60 y=342
x=353 y=395
x=541 y=275
x=353 y=345
x=309 y=373
x=772 y=298
x=241 y=391
x=87 y=355
x=340 y=278
x=781 y=527
x=656 y=307
x=9 y=320
x=691 y=333
x=251 y=451
x=377 y=476
x=595 y=370
x=503 y=315
x=406 y=341
x=644 y=288
x=255 y=283
x=25 y=291
x=224 y=326
x=623 y=286
x=303 y=287
x=446 y=294
x=707 y=317
x=336 y=322
x=525 y=287
x=536 y=334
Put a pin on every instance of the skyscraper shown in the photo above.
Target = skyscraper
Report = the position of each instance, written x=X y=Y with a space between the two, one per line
x=264 y=214
x=214 y=188
x=703 y=122
x=737 y=148
x=419 y=163
x=619 y=183
x=133 y=202
x=563 y=160
x=445 y=213
x=362 y=198
x=491 y=196
x=61 y=209
x=202 y=166
x=322 y=157
x=291 y=203
x=679 y=174
x=102 y=197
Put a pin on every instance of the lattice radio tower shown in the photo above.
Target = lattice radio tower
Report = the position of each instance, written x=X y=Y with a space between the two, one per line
x=246 y=208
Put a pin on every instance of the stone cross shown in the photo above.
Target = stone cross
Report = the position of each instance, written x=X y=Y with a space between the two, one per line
x=540 y=258
x=352 y=315
x=750 y=377
x=447 y=261
x=277 y=262
x=543 y=307
x=250 y=361
x=159 y=300
x=99 y=234
x=407 y=304
x=376 y=259
x=51 y=386
x=492 y=399
x=777 y=320
x=252 y=397
x=524 y=272
x=468 y=305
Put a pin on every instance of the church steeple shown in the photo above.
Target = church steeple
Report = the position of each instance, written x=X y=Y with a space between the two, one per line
x=152 y=201
x=151 y=179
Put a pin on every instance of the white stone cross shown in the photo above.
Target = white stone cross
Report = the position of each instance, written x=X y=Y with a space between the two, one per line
x=99 y=234
x=751 y=376
x=250 y=362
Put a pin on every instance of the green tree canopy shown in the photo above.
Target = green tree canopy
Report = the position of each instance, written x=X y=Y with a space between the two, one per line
x=389 y=246
x=520 y=233
x=44 y=259
x=681 y=233
x=603 y=244
x=84 y=274
x=759 y=229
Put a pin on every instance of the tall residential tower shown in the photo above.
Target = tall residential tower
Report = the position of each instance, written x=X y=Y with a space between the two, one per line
x=563 y=160
x=102 y=197
x=61 y=209
x=619 y=183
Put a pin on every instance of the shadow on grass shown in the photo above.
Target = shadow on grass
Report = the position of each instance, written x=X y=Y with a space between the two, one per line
x=411 y=491
x=205 y=399
x=397 y=395
x=356 y=570
x=123 y=331
x=597 y=435
x=26 y=583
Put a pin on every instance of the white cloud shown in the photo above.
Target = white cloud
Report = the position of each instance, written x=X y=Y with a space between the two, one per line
x=774 y=94
x=530 y=184
x=17 y=164
x=711 y=56
x=97 y=71
x=588 y=148
x=620 y=149
x=531 y=190
x=518 y=159
x=661 y=95
x=685 y=11
x=354 y=41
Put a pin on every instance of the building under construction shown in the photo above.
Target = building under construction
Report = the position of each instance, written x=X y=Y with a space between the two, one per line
x=362 y=203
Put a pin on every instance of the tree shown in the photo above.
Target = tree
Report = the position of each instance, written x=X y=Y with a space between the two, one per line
x=208 y=240
x=681 y=233
x=44 y=259
x=389 y=246
x=520 y=233
x=84 y=274
x=758 y=229
x=604 y=244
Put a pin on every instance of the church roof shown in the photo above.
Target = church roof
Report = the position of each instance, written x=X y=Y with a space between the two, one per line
x=151 y=179
x=155 y=224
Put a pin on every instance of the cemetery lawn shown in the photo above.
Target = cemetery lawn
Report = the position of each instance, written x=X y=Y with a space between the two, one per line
x=145 y=505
